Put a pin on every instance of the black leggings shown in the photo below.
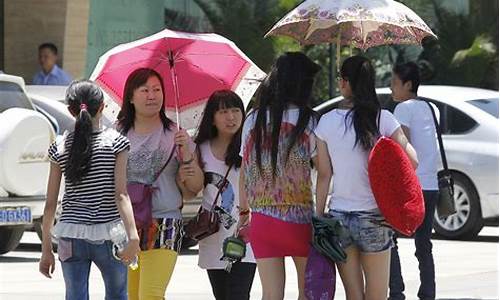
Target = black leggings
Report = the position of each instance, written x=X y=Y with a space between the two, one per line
x=234 y=285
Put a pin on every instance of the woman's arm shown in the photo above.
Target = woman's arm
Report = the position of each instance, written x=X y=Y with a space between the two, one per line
x=244 y=206
x=47 y=262
x=125 y=206
x=182 y=174
x=399 y=137
x=192 y=179
x=323 y=165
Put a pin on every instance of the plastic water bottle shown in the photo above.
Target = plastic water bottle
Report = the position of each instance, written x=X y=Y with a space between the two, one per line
x=120 y=241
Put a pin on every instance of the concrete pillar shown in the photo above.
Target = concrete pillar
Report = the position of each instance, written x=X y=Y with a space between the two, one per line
x=75 y=37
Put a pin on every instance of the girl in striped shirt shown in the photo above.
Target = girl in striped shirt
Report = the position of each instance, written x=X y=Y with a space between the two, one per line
x=94 y=163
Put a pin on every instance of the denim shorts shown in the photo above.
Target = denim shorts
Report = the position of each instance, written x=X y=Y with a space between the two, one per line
x=365 y=231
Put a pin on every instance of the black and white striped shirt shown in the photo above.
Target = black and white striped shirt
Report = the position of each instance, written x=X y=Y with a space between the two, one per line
x=92 y=200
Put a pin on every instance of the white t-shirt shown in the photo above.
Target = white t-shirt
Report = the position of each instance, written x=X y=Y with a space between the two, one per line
x=210 y=248
x=148 y=154
x=417 y=116
x=351 y=186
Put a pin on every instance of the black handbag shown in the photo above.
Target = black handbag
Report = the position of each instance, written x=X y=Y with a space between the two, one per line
x=446 y=202
x=206 y=222
x=327 y=234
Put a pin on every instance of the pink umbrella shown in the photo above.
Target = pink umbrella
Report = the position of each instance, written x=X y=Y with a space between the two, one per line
x=193 y=66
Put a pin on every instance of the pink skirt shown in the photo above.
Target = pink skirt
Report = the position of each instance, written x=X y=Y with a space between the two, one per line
x=271 y=237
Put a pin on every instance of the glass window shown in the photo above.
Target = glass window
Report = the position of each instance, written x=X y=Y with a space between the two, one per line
x=452 y=120
x=386 y=102
x=455 y=121
x=488 y=105
x=11 y=95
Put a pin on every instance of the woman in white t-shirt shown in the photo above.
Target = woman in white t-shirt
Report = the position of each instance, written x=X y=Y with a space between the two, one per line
x=218 y=143
x=345 y=137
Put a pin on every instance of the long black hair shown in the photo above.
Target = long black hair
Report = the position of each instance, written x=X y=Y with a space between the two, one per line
x=84 y=99
x=359 y=72
x=126 y=116
x=289 y=82
x=222 y=99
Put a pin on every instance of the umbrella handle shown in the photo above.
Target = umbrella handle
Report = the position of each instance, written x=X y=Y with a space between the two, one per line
x=177 y=118
x=176 y=100
x=176 y=96
x=338 y=50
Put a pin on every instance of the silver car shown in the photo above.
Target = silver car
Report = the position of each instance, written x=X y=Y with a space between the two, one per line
x=469 y=123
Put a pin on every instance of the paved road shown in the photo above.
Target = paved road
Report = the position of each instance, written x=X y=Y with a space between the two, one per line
x=464 y=270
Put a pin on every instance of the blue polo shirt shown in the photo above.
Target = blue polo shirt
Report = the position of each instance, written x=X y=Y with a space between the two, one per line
x=57 y=76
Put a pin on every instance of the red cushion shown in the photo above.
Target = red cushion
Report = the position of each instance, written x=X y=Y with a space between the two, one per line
x=395 y=186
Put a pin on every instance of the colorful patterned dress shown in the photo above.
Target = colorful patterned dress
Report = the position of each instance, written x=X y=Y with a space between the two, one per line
x=281 y=206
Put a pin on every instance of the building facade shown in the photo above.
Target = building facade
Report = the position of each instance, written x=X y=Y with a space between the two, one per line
x=84 y=29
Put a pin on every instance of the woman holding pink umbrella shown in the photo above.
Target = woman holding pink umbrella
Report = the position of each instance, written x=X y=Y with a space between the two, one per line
x=154 y=139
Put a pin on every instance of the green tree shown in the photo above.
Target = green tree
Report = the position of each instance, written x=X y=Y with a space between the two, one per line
x=467 y=46
x=466 y=52
x=245 y=22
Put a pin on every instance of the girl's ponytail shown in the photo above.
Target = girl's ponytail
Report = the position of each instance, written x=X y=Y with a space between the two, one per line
x=85 y=100
x=361 y=76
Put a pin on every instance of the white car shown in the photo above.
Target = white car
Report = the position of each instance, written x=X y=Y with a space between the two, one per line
x=24 y=139
x=470 y=126
x=49 y=100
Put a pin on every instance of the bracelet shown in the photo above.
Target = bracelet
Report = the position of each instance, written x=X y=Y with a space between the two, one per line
x=244 y=212
x=187 y=162
x=239 y=208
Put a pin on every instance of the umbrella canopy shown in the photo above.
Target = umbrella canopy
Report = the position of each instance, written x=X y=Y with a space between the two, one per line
x=359 y=23
x=192 y=66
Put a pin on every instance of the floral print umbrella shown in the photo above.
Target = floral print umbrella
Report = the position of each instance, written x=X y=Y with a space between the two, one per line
x=358 y=23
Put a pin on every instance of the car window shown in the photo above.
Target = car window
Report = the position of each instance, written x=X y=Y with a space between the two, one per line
x=11 y=95
x=488 y=105
x=453 y=121
x=457 y=122
x=386 y=102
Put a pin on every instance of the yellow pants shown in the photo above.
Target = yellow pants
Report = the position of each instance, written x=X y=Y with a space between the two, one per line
x=150 y=280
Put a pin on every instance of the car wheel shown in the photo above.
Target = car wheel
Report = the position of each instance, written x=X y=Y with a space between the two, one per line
x=467 y=221
x=10 y=236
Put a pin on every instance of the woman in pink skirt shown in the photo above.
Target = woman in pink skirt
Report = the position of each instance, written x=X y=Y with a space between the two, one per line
x=278 y=144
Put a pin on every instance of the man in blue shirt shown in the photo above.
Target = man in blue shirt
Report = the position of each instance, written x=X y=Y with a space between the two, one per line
x=50 y=74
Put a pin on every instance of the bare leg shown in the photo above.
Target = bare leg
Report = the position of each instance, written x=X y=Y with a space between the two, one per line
x=376 y=267
x=352 y=275
x=300 y=265
x=272 y=277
